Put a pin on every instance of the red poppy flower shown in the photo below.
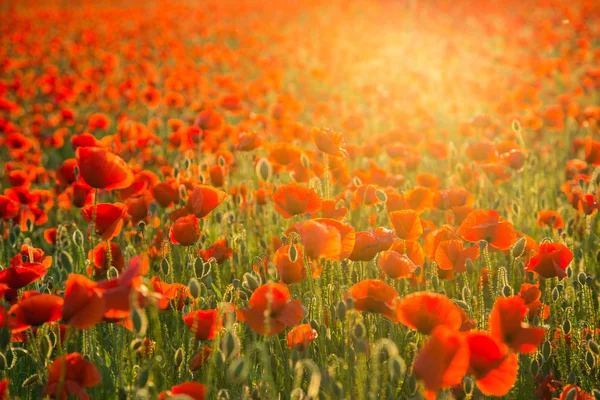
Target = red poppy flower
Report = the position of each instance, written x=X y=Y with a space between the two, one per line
x=4 y=383
x=488 y=225
x=270 y=309
x=83 y=303
x=109 y=218
x=443 y=360
x=552 y=259
x=166 y=194
x=191 y=390
x=451 y=257
x=396 y=265
x=185 y=231
x=98 y=257
x=407 y=224
x=17 y=277
x=172 y=294
x=200 y=358
x=550 y=218
x=219 y=250
x=34 y=309
x=9 y=208
x=290 y=270
x=294 y=199
x=329 y=142
x=204 y=199
x=320 y=240
x=424 y=311
x=31 y=254
x=531 y=295
x=102 y=169
x=204 y=324
x=506 y=324
x=329 y=210
x=300 y=337
x=375 y=296
x=491 y=364
x=70 y=375
x=366 y=247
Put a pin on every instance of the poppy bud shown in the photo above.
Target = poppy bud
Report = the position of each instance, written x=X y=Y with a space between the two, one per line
x=238 y=370
x=571 y=379
x=381 y=195
x=569 y=271
x=555 y=294
x=435 y=282
x=223 y=394
x=468 y=385
x=358 y=331
x=164 y=266
x=264 y=170
x=194 y=288
x=219 y=359
x=482 y=245
x=178 y=359
x=571 y=394
x=293 y=254
x=139 y=321
x=519 y=248
x=546 y=350
x=341 y=310
x=396 y=367
x=251 y=281
x=507 y=291
x=412 y=384
x=230 y=345
x=31 y=381
x=534 y=368
x=78 y=238
x=469 y=266
x=566 y=327
x=581 y=278
x=516 y=126
x=349 y=303
x=589 y=359
x=136 y=344
x=593 y=346
x=11 y=358
x=466 y=293
x=142 y=377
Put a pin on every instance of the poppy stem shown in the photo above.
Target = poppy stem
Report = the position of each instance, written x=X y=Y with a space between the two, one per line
x=94 y=212
x=109 y=258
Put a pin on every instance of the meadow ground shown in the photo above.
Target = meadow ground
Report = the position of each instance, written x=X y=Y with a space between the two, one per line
x=247 y=199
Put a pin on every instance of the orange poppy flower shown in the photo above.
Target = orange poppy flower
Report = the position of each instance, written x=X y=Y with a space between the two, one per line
x=506 y=325
x=320 y=240
x=270 y=310
x=9 y=208
x=294 y=199
x=443 y=361
x=204 y=199
x=329 y=210
x=585 y=203
x=102 y=169
x=435 y=237
x=374 y=296
x=300 y=337
x=70 y=375
x=98 y=257
x=191 y=390
x=419 y=199
x=579 y=393
x=424 y=311
x=109 y=218
x=83 y=303
x=329 y=142
x=365 y=195
x=204 y=324
x=219 y=251
x=290 y=271
x=407 y=224
x=366 y=247
x=248 y=141
x=50 y=236
x=34 y=309
x=347 y=236
x=185 y=231
x=451 y=257
x=172 y=294
x=488 y=225
x=552 y=259
x=396 y=265
x=550 y=218
x=32 y=255
x=491 y=364
x=531 y=295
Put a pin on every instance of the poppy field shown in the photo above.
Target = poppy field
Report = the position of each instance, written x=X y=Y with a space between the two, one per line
x=243 y=199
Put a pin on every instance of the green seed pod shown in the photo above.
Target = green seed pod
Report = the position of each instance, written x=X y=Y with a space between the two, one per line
x=507 y=291
x=593 y=346
x=519 y=248
x=381 y=195
x=358 y=331
x=571 y=378
x=78 y=238
x=264 y=170
x=164 y=266
x=396 y=368
x=435 y=282
x=194 y=288
x=139 y=321
x=466 y=294
x=238 y=370
x=555 y=294
x=136 y=344
x=31 y=381
x=349 y=303
x=293 y=254
x=141 y=380
x=178 y=359
x=469 y=266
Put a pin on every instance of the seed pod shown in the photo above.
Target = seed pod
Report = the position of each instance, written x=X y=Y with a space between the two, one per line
x=341 y=310
x=571 y=378
x=136 y=344
x=589 y=359
x=230 y=345
x=519 y=248
x=139 y=321
x=566 y=327
x=581 y=278
x=546 y=350
x=264 y=170
x=507 y=291
x=358 y=331
x=164 y=266
x=250 y=281
x=468 y=385
x=534 y=367
x=593 y=346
